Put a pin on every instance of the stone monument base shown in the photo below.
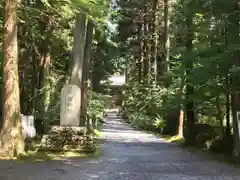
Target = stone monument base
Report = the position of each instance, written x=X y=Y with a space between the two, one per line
x=66 y=138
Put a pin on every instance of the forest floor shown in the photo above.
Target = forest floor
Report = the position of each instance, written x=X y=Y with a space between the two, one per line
x=127 y=154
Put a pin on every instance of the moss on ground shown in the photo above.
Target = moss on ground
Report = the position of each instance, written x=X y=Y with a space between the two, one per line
x=42 y=156
x=174 y=139
x=98 y=133
x=36 y=154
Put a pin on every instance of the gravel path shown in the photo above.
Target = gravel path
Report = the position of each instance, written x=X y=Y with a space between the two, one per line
x=127 y=155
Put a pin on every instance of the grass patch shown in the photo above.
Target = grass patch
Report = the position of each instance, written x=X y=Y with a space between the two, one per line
x=174 y=139
x=98 y=133
x=42 y=156
x=37 y=154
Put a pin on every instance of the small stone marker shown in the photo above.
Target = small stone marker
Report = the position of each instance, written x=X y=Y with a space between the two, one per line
x=29 y=130
x=70 y=105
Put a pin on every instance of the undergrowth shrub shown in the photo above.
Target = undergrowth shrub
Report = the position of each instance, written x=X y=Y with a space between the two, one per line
x=221 y=144
x=158 y=109
x=151 y=108
x=96 y=108
x=159 y=122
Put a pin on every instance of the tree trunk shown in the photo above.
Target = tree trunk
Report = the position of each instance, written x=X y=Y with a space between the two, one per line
x=165 y=45
x=12 y=143
x=190 y=137
x=145 y=44
x=219 y=114
x=228 y=125
x=87 y=57
x=155 y=38
x=32 y=105
x=43 y=98
x=180 y=125
x=233 y=38
x=227 y=93
x=166 y=36
x=235 y=99
x=140 y=56
x=181 y=113
x=96 y=79
x=78 y=52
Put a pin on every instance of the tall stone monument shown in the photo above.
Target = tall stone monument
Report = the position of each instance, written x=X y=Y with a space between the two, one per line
x=71 y=134
x=70 y=105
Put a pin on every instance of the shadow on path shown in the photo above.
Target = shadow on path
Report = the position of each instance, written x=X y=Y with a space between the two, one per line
x=128 y=154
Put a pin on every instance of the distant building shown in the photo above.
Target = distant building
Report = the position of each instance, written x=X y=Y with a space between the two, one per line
x=115 y=81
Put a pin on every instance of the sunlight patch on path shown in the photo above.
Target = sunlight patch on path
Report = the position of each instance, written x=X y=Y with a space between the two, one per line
x=128 y=154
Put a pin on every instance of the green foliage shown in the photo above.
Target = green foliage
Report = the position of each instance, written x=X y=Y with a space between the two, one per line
x=45 y=43
x=104 y=54
x=96 y=107
x=147 y=107
x=210 y=66
x=140 y=120
x=159 y=123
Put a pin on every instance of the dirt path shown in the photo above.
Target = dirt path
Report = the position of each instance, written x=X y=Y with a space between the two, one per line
x=127 y=155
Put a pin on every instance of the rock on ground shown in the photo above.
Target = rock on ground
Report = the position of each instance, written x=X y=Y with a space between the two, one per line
x=127 y=155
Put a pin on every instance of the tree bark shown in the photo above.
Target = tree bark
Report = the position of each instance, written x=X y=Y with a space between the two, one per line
x=141 y=55
x=219 y=115
x=190 y=137
x=227 y=93
x=228 y=125
x=180 y=125
x=78 y=53
x=181 y=111
x=163 y=55
x=166 y=36
x=145 y=44
x=155 y=40
x=233 y=38
x=43 y=92
x=86 y=63
x=78 y=50
x=12 y=143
